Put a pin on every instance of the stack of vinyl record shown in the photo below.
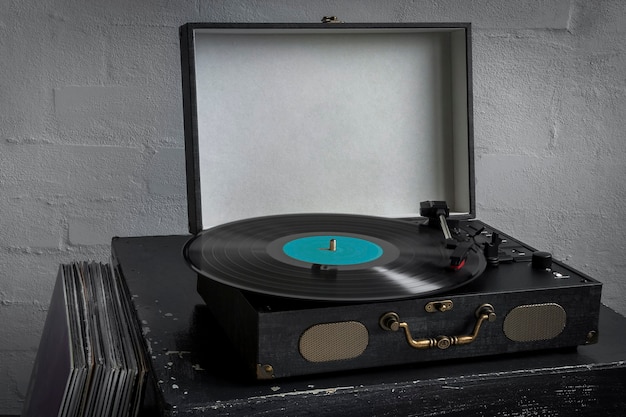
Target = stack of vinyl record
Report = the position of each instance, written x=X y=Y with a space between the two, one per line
x=89 y=360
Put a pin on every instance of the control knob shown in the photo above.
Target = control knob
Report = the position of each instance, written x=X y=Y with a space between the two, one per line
x=541 y=260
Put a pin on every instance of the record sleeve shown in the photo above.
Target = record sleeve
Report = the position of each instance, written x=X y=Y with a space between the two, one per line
x=90 y=359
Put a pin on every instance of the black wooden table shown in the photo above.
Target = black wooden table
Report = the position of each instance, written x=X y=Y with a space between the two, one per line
x=194 y=371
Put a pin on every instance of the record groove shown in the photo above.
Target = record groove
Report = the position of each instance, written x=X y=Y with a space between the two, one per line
x=249 y=254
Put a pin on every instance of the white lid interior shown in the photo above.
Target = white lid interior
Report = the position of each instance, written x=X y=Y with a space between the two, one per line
x=341 y=121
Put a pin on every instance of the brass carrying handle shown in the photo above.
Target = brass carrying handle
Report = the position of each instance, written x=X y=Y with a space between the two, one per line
x=391 y=321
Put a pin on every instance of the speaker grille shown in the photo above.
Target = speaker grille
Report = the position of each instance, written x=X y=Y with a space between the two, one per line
x=334 y=341
x=533 y=322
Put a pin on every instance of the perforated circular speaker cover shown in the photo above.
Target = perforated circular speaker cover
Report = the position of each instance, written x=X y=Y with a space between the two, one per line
x=334 y=341
x=534 y=322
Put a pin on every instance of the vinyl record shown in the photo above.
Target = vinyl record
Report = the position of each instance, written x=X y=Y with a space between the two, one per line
x=329 y=257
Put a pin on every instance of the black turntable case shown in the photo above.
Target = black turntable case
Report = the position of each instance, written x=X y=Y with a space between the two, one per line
x=249 y=89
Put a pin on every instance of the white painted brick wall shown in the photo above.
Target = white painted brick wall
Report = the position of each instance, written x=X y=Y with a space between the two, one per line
x=91 y=136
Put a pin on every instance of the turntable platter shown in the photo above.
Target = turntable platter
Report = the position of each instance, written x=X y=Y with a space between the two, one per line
x=329 y=257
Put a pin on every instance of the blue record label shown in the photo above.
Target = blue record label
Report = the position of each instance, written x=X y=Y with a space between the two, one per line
x=332 y=250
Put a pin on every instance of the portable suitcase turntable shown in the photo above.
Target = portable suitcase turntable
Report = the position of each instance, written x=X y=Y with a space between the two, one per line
x=331 y=193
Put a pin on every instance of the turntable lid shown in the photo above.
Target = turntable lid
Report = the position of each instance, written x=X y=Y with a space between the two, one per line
x=342 y=118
